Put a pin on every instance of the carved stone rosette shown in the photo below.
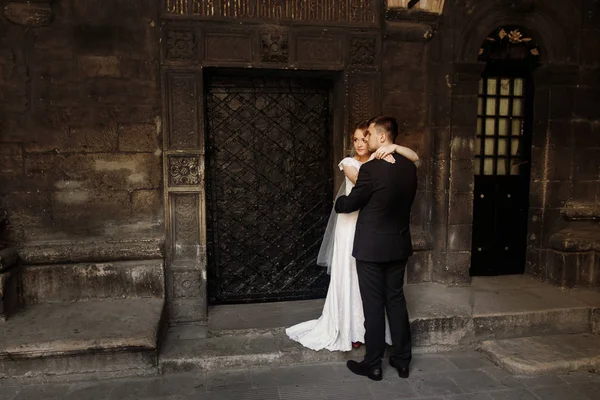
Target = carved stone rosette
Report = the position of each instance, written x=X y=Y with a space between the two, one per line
x=184 y=171
x=31 y=13
x=362 y=50
x=181 y=45
x=274 y=47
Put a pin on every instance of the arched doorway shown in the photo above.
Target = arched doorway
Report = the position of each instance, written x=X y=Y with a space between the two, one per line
x=502 y=153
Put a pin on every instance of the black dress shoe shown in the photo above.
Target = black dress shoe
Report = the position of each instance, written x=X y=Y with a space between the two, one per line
x=373 y=373
x=402 y=371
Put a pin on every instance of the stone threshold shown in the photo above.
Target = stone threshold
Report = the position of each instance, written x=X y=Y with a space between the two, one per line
x=442 y=319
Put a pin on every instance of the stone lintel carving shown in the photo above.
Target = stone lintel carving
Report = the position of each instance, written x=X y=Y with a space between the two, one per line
x=181 y=45
x=29 y=13
x=363 y=50
x=274 y=47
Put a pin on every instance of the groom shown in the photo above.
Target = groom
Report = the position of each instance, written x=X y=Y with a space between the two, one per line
x=384 y=194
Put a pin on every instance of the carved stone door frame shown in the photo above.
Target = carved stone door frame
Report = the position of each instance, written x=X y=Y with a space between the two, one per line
x=352 y=52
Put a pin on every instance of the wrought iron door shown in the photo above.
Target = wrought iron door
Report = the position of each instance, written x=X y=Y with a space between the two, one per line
x=502 y=171
x=269 y=187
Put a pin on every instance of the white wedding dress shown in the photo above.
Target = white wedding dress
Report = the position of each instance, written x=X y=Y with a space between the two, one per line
x=342 y=321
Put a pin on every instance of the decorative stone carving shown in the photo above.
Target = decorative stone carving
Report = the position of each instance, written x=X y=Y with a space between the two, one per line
x=181 y=45
x=509 y=42
x=29 y=13
x=186 y=226
x=362 y=50
x=274 y=47
x=184 y=171
x=362 y=99
x=186 y=284
x=184 y=123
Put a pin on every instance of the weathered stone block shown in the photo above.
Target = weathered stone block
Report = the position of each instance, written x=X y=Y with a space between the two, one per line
x=464 y=110
x=541 y=104
x=419 y=267
x=584 y=193
x=455 y=269
x=91 y=250
x=569 y=269
x=83 y=209
x=117 y=91
x=146 y=204
x=462 y=145
x=561 y=100
x=404 y=79
x=82 y=282
x=553 y=222
x=85 y=139
x=439 y=208
x=441 y=142
x=95 y=171
x=139 y=137
x=535 y=222
x=588 y=48
x=586 y=100
x=403 y=54
x=587 y=167
x=536 y=193
x=461 y=209
x=99 y=66
x=533 y=264
x=29 y=214
x=583 y=137
x=460 y=237
x=11 y=158
x=558 y=193
x=461 y=176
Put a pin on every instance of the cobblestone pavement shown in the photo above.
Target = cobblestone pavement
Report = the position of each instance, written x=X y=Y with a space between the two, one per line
x=448 y=376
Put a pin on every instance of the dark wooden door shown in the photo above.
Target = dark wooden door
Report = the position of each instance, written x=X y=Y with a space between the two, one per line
x=268 y=189
x=502 y=171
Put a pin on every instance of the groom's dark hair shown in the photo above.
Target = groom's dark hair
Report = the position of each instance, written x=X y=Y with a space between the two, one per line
x=387 y=124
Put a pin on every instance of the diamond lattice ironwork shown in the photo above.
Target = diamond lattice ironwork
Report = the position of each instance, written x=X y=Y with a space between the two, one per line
x=269 y=187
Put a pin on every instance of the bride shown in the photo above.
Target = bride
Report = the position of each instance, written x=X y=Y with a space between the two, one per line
x=341 y=325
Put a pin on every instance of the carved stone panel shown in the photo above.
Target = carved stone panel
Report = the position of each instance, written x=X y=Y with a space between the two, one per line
x=274 y=47
x=181 y=45
x=186 y=225
x=363 y=97
x=29 y=13
x=187 y=284
x=183 y=112
x=184 y=170
x=228 y=47
x=363 y=50
x=319 y=50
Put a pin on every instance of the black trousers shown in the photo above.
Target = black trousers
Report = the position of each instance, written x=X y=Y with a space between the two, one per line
x=381 y=289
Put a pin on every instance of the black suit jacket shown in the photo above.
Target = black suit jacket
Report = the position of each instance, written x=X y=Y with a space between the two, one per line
x=384 y=194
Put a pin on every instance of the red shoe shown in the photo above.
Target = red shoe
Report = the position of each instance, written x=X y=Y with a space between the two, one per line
x=356 y=345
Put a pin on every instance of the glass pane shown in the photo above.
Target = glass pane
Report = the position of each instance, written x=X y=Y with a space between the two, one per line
x=516 y=127
x=490 y=106
x=503 y=106
x=488 y=166
x=480 y=106
x=477 y=165
x=502 y=147
x=491 y=86
x=479 y=125
x=501 y=167
x=503 y=127
x=490 y=126
x=505 y=87
x=481 y=86
x=514 y=169
x=517 y=107
x=518 y=90
x=514 y=147
x=489 y=147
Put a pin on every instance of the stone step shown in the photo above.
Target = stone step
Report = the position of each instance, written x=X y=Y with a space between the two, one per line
x=253 y=349
x=102 y=338
x=546 y=355
x=57 y=283
x=446 y=317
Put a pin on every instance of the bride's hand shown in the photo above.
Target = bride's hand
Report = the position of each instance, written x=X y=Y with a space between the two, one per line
x=389 y=158
x=385 y=151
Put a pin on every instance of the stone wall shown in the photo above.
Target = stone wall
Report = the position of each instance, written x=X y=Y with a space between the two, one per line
x=80 y=126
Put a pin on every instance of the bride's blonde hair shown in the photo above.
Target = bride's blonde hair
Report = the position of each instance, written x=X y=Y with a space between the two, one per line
x=362 y=126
